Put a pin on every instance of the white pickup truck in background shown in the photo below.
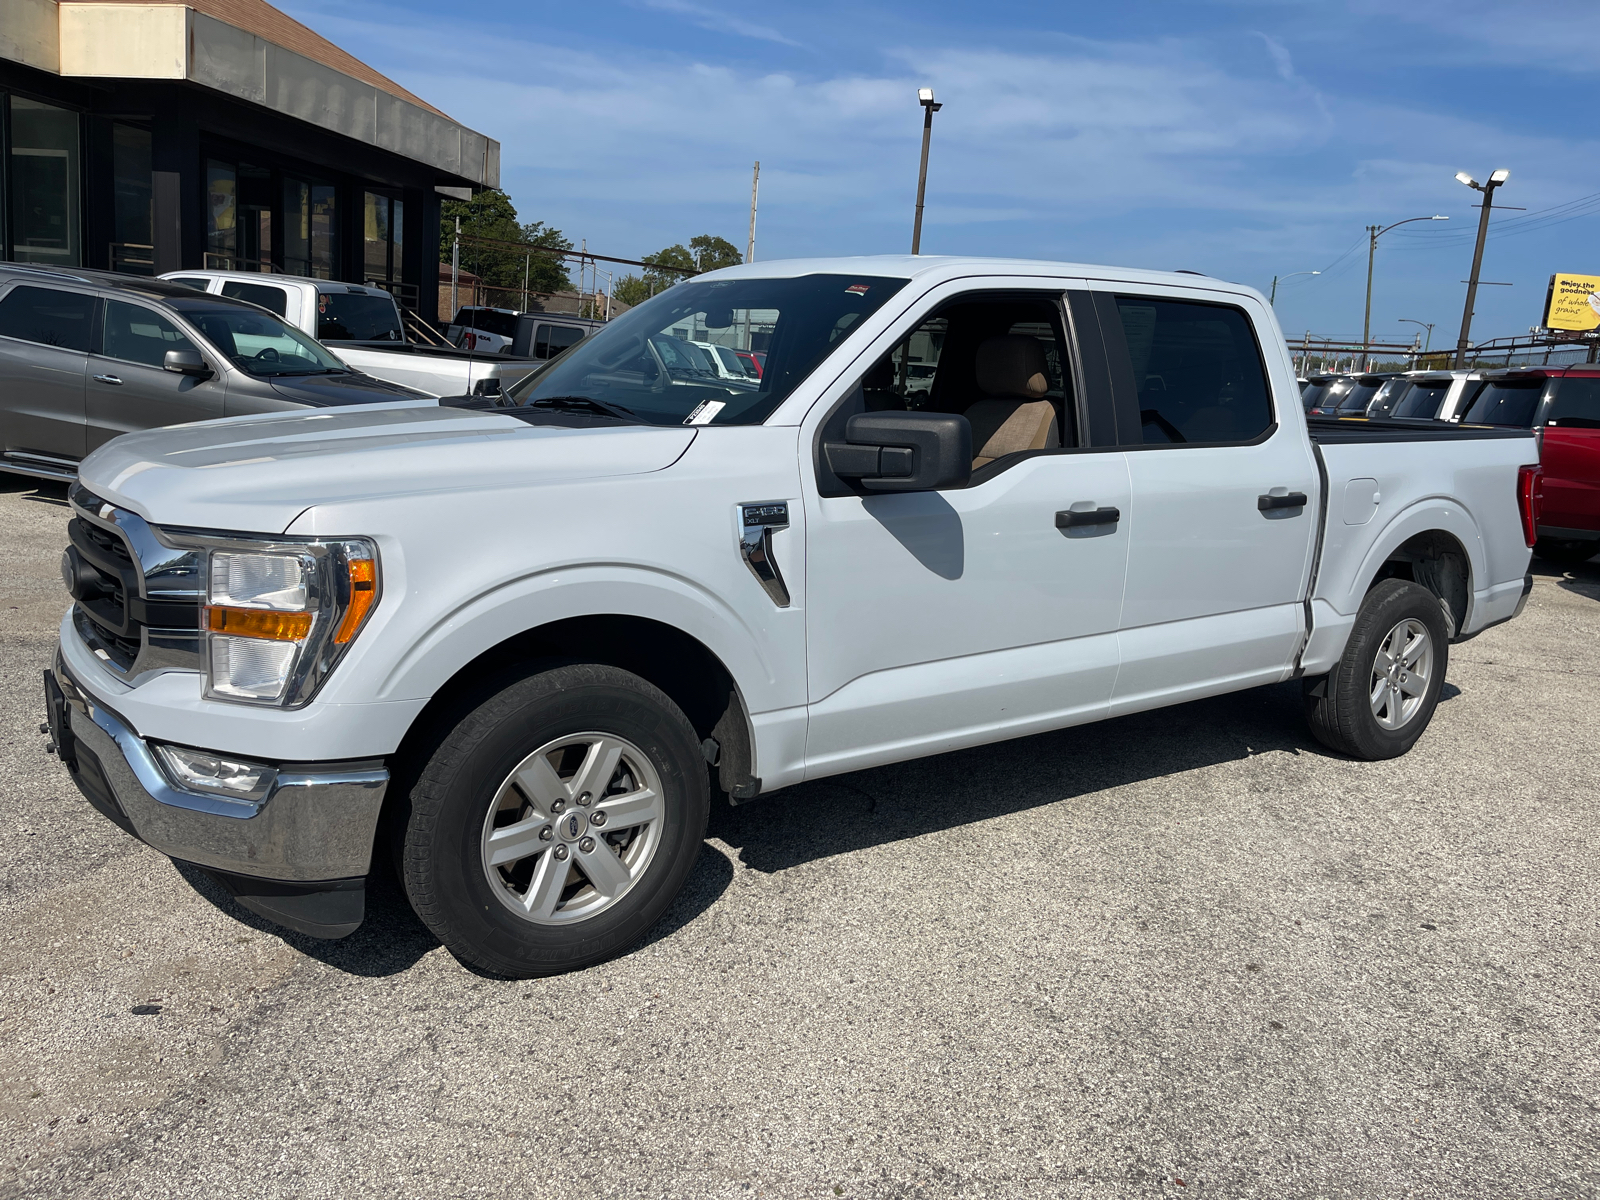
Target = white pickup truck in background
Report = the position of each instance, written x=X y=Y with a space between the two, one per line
x=520 y=648
x=364 y=326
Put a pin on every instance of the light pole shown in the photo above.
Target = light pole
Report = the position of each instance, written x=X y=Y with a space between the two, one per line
x=1373 y=234
x=1495 y=180
x=1428 y=325
x=1273 y=299
x=924 y=98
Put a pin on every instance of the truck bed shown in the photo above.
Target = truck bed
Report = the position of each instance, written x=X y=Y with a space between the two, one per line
x=1333 y=431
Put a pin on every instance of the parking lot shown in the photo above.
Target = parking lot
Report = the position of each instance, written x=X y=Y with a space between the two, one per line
x=1185 y=950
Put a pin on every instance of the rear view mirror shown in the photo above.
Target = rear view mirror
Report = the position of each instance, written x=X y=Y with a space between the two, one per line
x=719 y=318
x=903 y=451
x=185 y=362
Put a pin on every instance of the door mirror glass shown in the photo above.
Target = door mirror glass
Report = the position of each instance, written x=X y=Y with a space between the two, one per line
x=903 y=451
x=185 y=362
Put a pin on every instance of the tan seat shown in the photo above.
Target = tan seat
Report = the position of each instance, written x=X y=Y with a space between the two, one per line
x=1013 y=416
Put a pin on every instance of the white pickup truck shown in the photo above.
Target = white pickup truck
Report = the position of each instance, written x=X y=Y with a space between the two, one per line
x=518 y=650
x=363 y=325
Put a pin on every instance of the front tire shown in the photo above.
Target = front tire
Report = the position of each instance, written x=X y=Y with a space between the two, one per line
x=1378 y=701
x=556 y=822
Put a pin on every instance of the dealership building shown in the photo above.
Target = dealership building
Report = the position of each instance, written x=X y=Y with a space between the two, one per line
x=154 y=137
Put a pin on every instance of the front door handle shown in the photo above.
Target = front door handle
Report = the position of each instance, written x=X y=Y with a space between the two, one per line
x=107 y=379
x=1072 y=519
x=1291 y=500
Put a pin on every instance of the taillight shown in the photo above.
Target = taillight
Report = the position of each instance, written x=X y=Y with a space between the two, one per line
x=1530 y=495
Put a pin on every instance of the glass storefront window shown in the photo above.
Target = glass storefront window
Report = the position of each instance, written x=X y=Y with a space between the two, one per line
x=375 y=230
x=222 y=215
x=310 y=229
x=45 y=166
x=131 y=249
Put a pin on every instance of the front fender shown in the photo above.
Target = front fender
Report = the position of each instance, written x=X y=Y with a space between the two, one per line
x=611 y=589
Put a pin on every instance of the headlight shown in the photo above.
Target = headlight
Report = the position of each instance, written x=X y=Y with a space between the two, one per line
x=280 y=614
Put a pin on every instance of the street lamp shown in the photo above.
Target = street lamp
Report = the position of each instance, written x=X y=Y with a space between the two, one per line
x=1373 y=234
x=924 y=98
x=1428 y=325
x=1273 y=299
x=1495 y=180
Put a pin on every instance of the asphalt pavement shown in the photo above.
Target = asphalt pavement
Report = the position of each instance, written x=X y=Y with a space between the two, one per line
x=1188 y=953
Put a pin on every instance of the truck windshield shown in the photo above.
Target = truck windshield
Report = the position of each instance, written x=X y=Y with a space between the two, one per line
x=344 y=317
x=255 y=341
x=645 y=361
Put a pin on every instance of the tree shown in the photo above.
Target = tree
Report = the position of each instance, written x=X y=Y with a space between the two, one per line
x=712 y=253
x=491 y=215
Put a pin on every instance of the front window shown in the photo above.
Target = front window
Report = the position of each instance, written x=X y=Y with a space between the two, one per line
x=257 y=342
x=644 y=362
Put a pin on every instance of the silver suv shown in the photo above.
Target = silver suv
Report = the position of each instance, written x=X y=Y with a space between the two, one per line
x=88 y=355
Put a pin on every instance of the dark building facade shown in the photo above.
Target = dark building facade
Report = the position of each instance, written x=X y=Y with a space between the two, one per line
x=156 y=137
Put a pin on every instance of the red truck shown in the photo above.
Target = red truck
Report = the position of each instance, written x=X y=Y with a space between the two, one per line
x=1562 y=406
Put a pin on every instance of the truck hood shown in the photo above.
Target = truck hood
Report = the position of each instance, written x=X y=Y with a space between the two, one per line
x=257 y=474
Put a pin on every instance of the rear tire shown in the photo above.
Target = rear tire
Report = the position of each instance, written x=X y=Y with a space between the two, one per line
x=556 y=822
x=1566 y=552
x=1378 y=701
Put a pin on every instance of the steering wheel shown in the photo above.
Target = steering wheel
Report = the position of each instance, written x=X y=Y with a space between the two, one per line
x=267 y=354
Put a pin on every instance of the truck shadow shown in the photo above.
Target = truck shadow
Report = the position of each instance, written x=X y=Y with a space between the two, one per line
x=870 y=808
x=1581 y=579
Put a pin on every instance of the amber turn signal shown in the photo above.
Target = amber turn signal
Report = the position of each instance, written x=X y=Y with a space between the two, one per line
x=258 y=623
x=363 y=591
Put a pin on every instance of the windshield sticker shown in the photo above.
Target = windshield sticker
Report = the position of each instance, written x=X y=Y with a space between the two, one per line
x=705 y=411
x=858 y=289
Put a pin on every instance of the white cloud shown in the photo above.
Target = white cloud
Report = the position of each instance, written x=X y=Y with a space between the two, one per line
x=720 y=22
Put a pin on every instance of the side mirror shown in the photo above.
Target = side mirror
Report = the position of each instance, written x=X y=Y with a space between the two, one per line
x=903 y=451
x=185 y=362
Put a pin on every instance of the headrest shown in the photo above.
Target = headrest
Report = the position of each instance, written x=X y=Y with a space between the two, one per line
x=1012 y=365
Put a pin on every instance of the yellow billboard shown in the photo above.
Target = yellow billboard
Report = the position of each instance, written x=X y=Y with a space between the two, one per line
x=1573 y=303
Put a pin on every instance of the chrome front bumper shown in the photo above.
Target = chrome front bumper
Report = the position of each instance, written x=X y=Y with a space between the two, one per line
x=317 y=824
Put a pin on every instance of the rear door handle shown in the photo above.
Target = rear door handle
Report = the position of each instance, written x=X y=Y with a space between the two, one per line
x=107 y=379
x=1292 y=500
x=1070 y=519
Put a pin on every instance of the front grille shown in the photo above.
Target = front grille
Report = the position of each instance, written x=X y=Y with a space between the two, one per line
x=135 y=615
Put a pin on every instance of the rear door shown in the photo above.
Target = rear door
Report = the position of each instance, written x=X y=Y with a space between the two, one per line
x=1571 y=456
x=128 y=387
x=1224 y=496
x=44 y=344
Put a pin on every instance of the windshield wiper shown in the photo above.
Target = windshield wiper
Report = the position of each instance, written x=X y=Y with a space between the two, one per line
x=583 y=404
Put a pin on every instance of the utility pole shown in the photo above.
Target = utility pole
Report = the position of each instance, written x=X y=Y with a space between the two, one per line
x=755 y=182
x=924 y=98
x=527 y=260
x=1464 y=344
x=455 y=272
x=1373 y=234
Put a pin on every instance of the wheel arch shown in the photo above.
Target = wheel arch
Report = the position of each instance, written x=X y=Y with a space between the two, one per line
x=1434 y=543
x=681 y=665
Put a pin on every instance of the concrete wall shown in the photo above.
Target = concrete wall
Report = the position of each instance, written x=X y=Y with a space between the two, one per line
x=164 y=41
x=29 y=33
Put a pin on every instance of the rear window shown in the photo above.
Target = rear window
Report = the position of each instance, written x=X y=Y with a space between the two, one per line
x=348 y=317
x=1197 y=370
x=1358 y=397
x=1576 y=405
x=47 y=316
x=1422 y=401
x=273 y=299
x=1505 y=402
x=488 y=320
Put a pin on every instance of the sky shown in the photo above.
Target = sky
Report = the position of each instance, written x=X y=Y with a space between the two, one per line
x=1239 y=138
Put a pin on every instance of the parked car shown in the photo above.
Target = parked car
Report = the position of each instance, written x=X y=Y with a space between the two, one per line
x=725 y=361
x=487 y=330
x=1562 y=405
x=363 y=325
x=536 y=335
x=753 y=361
x=1422 y=396
x=1321 y=392
x=1107 y=500
x=1350 y=396
x=87 y=355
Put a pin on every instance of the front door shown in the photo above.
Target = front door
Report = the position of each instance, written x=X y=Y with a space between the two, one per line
x=128 y=388
x=1225 y=491
x=937 y=620
x=44 y=339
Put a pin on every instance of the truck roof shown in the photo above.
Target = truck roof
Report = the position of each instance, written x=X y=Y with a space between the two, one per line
x=321 y=285
x=937 y=268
